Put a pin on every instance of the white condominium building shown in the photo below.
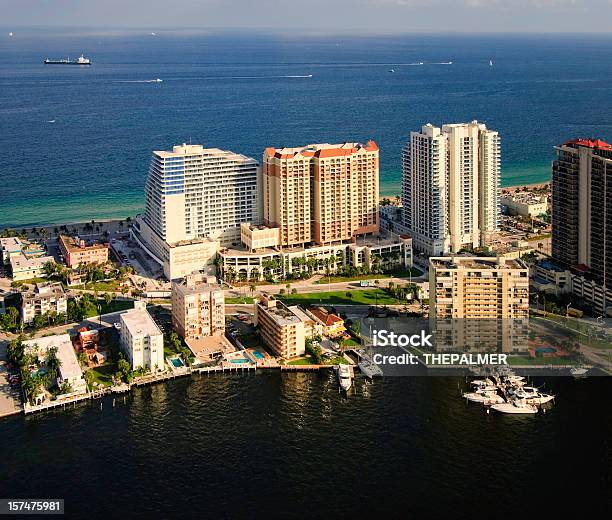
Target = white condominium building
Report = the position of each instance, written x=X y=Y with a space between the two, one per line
x=451 y=186
x=196 y=192
x=141 y=340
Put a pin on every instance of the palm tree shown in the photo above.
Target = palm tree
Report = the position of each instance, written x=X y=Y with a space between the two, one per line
x=252 y=289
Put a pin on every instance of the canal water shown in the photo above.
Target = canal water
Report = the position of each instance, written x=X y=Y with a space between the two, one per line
x=290 y=445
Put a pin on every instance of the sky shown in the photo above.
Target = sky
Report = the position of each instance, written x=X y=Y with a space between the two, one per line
x=314 y=16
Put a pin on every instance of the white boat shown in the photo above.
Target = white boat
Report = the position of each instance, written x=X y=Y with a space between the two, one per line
x=484 y=385
x=517 y=406
x=392 y=70
x=483 y=397
x=368 y=367
x=490 y=63
x=345 y=377
x=579 y=371
x=534 y=397
x=157 y=80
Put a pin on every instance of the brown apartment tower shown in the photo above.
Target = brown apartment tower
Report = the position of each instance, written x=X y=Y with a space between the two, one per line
x=321 y=193
x=582 y=208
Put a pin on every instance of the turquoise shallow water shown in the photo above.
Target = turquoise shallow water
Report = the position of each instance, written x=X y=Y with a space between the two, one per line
x=248 y=92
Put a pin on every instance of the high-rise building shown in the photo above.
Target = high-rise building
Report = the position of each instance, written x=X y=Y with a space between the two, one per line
x=450 y=190
x=582 y=209
x=194 y=192
x=198 y=308
x=321 y=193
x=479 y=302
x=196 y=198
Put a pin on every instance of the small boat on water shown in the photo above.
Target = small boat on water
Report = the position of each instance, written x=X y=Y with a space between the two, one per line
x=490 y=63
x=516 y=406
x=531 y=395
x=368 y=367
x=579 y=371
x=484 y=397
x=392 y=70
x=345 y=377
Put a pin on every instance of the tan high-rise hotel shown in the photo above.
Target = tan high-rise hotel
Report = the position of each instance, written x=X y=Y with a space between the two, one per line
x=321 y=193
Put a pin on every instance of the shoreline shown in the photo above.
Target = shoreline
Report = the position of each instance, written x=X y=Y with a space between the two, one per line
x=102 y=222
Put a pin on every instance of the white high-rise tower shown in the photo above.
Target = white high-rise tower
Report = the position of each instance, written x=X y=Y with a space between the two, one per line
x=451 y=186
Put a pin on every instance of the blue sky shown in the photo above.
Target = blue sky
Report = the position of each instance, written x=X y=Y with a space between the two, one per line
x=316 y=16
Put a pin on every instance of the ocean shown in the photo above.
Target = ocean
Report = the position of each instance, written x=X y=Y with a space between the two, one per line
x=75 y=142
x=291 y=446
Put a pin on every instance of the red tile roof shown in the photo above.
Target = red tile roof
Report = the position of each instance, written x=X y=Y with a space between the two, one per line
x=327 y=318
x=590 y=143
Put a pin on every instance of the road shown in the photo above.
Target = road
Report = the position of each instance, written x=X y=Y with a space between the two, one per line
x=309 y=286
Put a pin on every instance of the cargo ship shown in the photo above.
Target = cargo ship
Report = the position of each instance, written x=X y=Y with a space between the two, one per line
x=81 y=61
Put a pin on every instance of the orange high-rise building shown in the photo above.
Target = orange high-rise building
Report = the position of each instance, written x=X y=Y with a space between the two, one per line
x=321 y=193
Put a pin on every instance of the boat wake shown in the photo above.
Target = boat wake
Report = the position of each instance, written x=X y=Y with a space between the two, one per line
x=157 y=80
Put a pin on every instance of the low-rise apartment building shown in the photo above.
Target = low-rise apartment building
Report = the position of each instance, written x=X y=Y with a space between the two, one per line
x=198 y=308
x=389 y=250
x=281 y=329
x=141 y=340
x=525 y=204
x=77 y=252
x=49 y=298
x=69 y=370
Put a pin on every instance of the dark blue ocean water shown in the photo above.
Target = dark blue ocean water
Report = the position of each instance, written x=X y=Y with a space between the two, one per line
x=237 y=92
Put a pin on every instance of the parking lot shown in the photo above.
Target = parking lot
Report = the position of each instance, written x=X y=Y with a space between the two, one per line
x=148 y=272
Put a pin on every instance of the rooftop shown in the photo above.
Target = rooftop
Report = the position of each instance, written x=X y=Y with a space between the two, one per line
x=70 y=367
x=320 y=150
x=327 y=318
x=10 y=244
x=206 y=347
x=23 y=262
x=278 y=311
x=139 y=321
x=474 y=262
x=589 y=143
x=74 y=244
x=191 y=150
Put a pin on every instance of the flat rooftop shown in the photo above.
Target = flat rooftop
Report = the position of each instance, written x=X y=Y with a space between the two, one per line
x=70 y=367
x=71 y=244
x=24 y=262
x=280 y=313
x=204 y=348
x=194 y=150
x=139 y=321
x=198 y=288
x=472 y=262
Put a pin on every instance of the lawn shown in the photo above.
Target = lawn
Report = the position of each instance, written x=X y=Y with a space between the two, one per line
x=366 y=297
x=306 y=360
x=540 y=361
x=104 y=373
x=110 y=285
x=401 y=273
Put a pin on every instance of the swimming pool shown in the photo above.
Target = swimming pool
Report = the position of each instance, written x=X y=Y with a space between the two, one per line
x=176 y=362
x=258 y=355
x=545 y=350
x=238 y=361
